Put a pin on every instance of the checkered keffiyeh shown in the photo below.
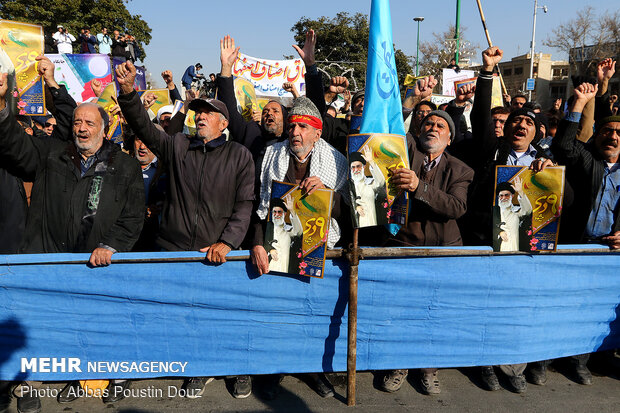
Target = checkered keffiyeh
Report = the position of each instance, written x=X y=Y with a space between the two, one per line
x=327 y=164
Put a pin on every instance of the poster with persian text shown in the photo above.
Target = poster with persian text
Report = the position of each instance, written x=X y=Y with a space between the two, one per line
x=268 y=76
x=372 y=160
x=297 y=228
x=527 y=208
x=20 y=44
x=107 y=101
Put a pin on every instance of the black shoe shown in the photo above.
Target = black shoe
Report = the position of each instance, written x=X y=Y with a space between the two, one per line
x=518 y=383
x=116 y=391
x=271 y=386
x=28 y=403
x=583 y=375
x=322 y=385
x=489 y=378
x=195 y=386
x=242 y=387
x=70 y=392
x=538 y=374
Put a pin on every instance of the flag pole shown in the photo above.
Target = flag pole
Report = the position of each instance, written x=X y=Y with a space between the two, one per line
x=486 y=32
x=353 y=258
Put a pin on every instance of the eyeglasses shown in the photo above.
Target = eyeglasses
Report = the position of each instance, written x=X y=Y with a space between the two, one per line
x=48 y=124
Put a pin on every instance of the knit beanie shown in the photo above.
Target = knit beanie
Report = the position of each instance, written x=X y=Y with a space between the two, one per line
x=304 y=111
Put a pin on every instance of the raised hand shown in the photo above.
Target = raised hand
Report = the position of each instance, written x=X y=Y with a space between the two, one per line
x=605 y=69
x=288 y=203
x=148 y=99
x=338 y=84
x=583 y=94
x=424 y=87
x=45 y=67
x=464 y=93
x=518 y=185
x=167 y=76
x=228 y=55
x=367 y=154
x=97 y=87
x=290 y=87
x=491 y=57
x=307 y=53
x=126 y=76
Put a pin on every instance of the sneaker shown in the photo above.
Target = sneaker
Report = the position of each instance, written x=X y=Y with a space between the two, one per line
x=430 y=383
x=322 y=385
x=489 y=378
x=538 y=374
x=583 y=375
x=70 y=392
x=393 y=380
x=518 y=383
x=28 y=403
x=195 y=386
x=242 y=387
x=116 y=391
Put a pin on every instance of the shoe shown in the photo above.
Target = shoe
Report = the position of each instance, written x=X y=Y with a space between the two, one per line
x=242 y=387
x=583 y=375
x=430 y=383
x=322 y=385
x=518 y=383
x=538 y=374
x=116 y=391
x=489 y=378
x=271 y=387
x=195 y=386
x=393 y=380
x=70 y=392
x=28 y=403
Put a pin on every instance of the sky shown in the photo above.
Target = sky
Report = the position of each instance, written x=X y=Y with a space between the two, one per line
x=187 y=32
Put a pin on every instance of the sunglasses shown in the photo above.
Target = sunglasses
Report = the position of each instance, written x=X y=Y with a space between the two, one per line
x=48 y=124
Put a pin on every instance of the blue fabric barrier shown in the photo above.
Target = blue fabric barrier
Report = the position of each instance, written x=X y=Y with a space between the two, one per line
x=412 y=312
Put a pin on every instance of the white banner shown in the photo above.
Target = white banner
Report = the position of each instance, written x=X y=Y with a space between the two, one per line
x=267 y=76
x=450 y=76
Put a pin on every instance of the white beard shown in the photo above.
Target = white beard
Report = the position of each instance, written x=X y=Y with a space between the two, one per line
x=278 y=221
x=505 y=204
x=357 y=176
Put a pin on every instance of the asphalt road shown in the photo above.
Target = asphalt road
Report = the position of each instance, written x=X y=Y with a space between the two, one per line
x=461 y=391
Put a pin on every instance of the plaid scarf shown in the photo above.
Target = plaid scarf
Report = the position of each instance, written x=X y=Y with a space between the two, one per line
x=327 y=164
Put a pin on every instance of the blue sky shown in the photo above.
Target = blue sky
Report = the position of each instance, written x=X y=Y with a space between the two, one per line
x=186 y=32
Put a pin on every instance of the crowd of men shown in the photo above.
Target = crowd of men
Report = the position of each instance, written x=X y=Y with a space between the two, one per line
x=211 y=191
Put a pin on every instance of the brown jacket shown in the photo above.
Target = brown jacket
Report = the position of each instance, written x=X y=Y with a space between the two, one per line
x=437 y=203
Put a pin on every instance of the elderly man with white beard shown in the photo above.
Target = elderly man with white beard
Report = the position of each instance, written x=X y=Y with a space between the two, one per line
x=365 y=190
x=281 y=237
x=507 y=217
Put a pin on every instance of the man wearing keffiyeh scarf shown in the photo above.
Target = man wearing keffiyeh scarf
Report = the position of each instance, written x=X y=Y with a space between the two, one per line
x=304 y=159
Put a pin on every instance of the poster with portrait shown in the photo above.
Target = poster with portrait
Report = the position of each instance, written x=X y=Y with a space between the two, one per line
x=107 y=101
x=246 y=97
x=372 y=159
x=297 y=228
x=527 y=208
x=20 y=44
x=140 y=81
x=162 y=98
x=77 y=72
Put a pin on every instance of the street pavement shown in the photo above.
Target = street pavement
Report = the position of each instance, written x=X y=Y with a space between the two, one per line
x=461 y=392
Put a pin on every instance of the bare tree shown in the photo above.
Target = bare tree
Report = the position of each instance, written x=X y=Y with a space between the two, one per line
x=587 y=39
x=437 y=53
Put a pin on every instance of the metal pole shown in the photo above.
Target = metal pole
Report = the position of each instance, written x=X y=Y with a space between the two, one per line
x=353 y=257
x=417 y=50
x=417 y=53
x=532 y=48
x=457 y=30
x=486 y=32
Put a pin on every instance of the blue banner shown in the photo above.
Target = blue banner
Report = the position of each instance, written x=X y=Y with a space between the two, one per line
x=382 y=105
x=63 y=321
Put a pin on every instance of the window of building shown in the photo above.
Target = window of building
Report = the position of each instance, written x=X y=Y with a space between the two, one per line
x=508 y=72
x=518 y=70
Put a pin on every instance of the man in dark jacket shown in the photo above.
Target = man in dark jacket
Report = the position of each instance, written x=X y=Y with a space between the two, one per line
x=437 y=184
x=87 y=194
x=87 y=41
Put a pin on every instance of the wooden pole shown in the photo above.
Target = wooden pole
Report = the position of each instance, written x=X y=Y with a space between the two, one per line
x=352 y=326
x=486 y=32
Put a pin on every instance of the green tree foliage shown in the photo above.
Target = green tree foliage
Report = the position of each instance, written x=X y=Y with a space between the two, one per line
x=75 y=14
x=342 y=46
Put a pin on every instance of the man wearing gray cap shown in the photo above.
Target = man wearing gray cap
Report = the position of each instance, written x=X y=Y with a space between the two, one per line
x=210 y=180
x=437 y=184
